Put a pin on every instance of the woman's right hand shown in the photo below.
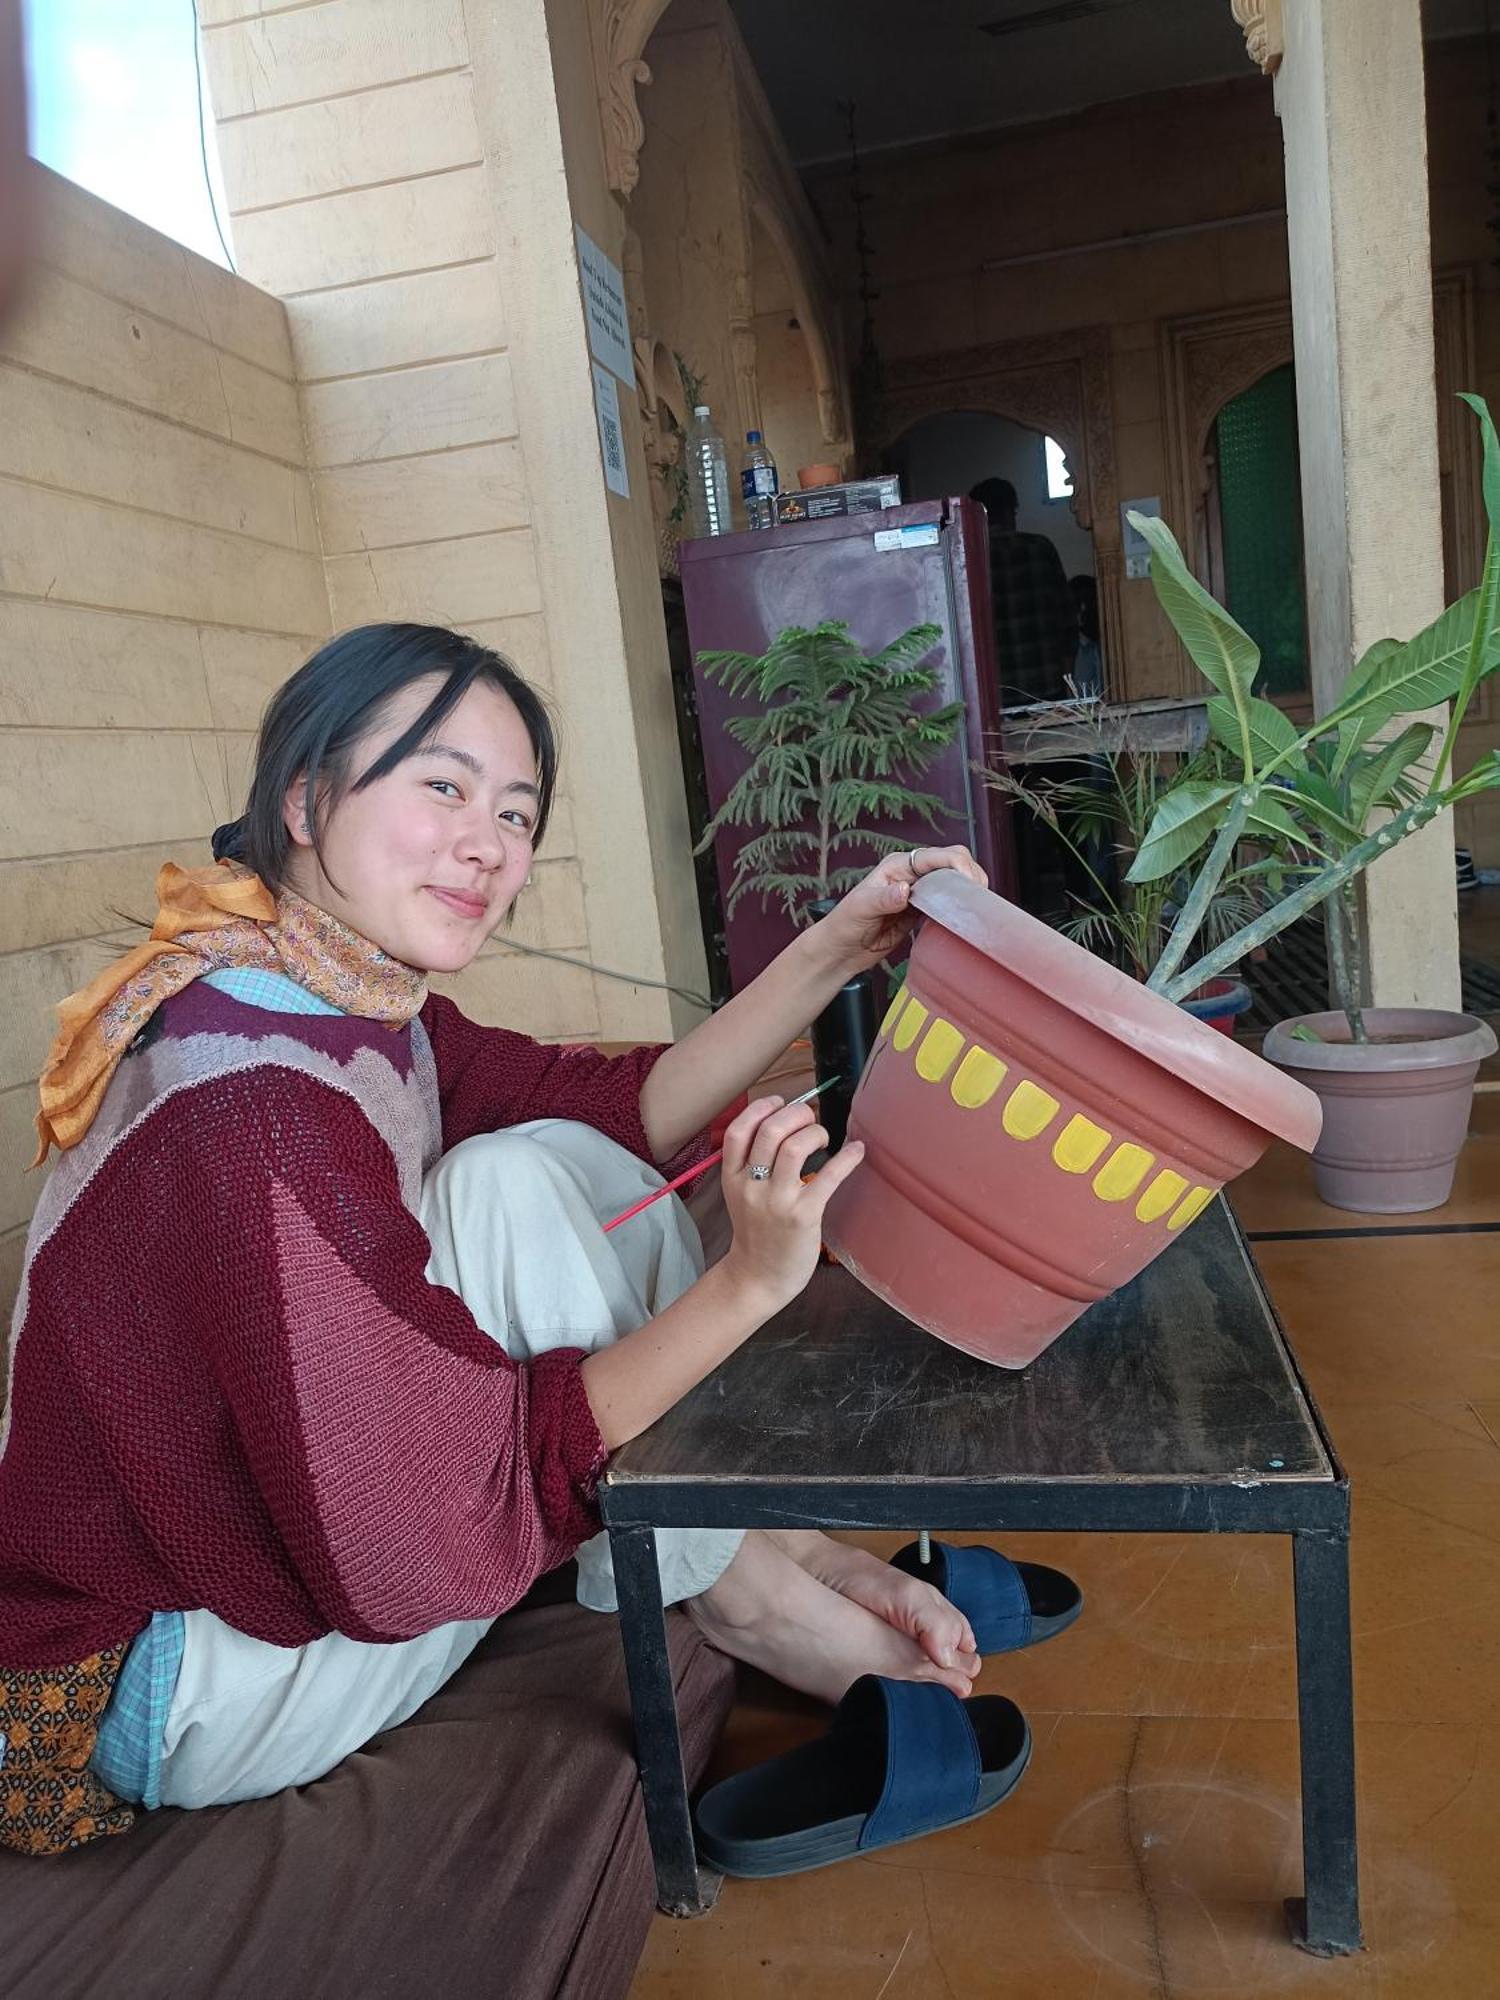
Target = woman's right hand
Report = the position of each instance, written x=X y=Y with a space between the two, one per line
x=777 y=1218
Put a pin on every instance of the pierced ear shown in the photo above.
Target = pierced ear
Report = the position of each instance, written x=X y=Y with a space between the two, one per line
x=294 y=814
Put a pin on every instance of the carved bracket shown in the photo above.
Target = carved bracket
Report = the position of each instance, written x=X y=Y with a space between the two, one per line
x=620 y=30
x=1265 y=40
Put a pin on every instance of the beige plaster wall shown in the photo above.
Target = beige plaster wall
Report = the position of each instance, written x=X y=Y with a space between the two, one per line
x=396 y=176
x=159 y=576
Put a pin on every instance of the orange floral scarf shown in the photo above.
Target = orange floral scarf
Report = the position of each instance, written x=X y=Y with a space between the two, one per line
x=209 y=918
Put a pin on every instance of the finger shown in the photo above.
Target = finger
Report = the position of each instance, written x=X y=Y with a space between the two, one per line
x=739 y=1134
x=839 y=1167
x=793 y=1154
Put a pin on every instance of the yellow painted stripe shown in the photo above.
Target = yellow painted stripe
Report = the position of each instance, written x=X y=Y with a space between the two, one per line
x=1028 y=1110
x=1079 y=1145
x=910 y=1024
x=893 y=1010
x=1164 y=1193
x=1122 y=1173
x=977 y=1079
x=1188 y=1211
x=939 y=1051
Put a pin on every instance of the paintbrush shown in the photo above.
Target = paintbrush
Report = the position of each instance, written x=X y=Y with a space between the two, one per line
x=712 y=1161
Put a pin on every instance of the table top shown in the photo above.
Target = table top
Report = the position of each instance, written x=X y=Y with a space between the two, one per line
x=1181 y=1383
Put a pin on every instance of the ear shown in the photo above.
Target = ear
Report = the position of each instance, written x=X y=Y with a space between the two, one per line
x=294 y=813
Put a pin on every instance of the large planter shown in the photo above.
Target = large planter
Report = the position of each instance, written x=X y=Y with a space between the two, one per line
x=1395 y=1108
x=1038 y=1127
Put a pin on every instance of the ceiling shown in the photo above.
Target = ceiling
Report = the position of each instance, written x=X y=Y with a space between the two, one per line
x=928 y=69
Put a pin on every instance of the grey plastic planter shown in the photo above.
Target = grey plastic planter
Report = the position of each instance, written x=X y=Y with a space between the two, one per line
x=1395 y=1109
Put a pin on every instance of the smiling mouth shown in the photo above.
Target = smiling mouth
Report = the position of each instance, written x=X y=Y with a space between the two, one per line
x=461 y=904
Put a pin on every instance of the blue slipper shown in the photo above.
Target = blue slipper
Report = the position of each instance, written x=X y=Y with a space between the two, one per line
x=1009 y=1605
x=900 y=1759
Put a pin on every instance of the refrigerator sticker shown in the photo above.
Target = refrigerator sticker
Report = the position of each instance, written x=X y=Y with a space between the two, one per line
x=923 y=536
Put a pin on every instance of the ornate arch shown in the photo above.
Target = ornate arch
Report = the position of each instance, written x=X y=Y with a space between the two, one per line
x=825 y=375
x=1057 y=384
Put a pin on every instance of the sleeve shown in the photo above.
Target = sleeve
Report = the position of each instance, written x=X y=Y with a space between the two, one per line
x=413 y=1472
x=491 y=1077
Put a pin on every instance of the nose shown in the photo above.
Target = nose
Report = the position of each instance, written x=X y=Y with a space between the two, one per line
x=480 y=841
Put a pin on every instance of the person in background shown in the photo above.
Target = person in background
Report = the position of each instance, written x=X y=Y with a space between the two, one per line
x=1036 y=624
x=1088 y=662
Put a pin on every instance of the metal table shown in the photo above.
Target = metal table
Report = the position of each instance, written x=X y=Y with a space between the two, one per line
x=1175 y=1406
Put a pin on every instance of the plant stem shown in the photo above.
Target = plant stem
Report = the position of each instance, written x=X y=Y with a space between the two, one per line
x=1195 y=909
x=1341 y=926
x=1273 y=921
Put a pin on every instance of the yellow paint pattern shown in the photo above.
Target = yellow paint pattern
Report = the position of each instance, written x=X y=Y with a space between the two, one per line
x=977 y=1079
x=1028 y=1110
x=1080 y=1145
x=939 y=1051
x=1187 y=1211
x=1164 y=1193
x=910 y=1024
x=1123 y=1172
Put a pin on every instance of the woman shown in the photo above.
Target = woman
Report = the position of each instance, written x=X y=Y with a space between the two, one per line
x=321 y=1347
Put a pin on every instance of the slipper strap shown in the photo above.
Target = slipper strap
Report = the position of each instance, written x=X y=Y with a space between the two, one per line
x=991 y=1593
x=932 y=1765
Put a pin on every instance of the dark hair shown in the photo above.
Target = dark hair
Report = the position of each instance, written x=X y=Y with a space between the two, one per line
x=996 y=496
x=318 y=717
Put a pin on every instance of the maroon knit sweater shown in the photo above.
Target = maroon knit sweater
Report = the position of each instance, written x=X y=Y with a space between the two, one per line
x=232 y=1386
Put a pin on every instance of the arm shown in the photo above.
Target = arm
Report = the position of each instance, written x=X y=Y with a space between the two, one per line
x=725 y=1054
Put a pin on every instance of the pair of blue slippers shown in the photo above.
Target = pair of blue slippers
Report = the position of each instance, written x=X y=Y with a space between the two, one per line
x=901 y=1758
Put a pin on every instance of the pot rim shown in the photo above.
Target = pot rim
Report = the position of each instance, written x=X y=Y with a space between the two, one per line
x=1470 y=1041
x=1120 y=1006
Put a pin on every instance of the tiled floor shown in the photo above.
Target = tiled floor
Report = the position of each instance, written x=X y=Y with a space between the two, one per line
x=1151 y=1843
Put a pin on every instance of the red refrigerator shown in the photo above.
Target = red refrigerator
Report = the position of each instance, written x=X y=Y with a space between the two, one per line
x=881 y=573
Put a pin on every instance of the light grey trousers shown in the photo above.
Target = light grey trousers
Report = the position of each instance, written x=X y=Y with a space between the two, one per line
x=514 y=1219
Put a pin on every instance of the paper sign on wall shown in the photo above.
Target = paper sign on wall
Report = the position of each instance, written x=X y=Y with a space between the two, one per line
x=1137 y=549
x=604 y=303
x=611 y=440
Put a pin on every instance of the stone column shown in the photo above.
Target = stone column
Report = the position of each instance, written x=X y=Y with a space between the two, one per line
x=1349 y=92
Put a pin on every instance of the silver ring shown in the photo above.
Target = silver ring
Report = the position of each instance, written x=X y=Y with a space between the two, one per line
x=758 y=1172
x=911 y=860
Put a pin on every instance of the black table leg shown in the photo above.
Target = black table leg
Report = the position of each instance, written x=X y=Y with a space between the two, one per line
x=682 y=1888
x=1326 y=1920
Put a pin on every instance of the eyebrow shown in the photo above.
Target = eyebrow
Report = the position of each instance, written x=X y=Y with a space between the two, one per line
x=472 y=764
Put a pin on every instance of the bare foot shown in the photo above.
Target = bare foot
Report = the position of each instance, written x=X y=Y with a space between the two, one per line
x=769 y=1611
x=918 y=1609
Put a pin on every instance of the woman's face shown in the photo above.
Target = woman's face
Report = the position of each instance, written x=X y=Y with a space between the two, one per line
x=427 y=860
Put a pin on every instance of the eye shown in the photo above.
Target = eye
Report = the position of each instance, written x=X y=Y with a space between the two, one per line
x=521 y=821
x=445 y=787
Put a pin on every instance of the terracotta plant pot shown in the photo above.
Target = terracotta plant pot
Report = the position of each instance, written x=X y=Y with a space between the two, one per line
x=1395 y=1109
x=818 y=475
x=1039 y=1127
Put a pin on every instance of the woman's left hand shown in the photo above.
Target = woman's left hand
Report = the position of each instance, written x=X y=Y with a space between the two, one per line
x=874 y=918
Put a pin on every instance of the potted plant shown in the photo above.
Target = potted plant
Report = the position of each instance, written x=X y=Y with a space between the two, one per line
x=834 y=735
x=1109 y=810
x=1038 y=1124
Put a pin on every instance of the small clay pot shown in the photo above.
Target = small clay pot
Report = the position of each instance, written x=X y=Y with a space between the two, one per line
x=1038 y=1126
x=818 y=475
x=1395 y=1108
x=1220 y=1003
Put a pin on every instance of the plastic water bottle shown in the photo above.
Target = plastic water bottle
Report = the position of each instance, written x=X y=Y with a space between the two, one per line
x=758 y=481
x=708 y=476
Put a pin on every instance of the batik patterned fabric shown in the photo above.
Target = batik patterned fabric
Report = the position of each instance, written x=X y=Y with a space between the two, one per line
x=49 y=1799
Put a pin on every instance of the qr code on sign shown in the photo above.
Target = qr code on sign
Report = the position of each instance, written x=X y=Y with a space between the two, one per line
x=614 y=455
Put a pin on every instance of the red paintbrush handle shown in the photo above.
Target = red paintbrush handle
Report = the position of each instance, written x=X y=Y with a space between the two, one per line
x=669 y=1188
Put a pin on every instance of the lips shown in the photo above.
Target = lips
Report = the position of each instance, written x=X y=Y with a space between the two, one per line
x=460 y=902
